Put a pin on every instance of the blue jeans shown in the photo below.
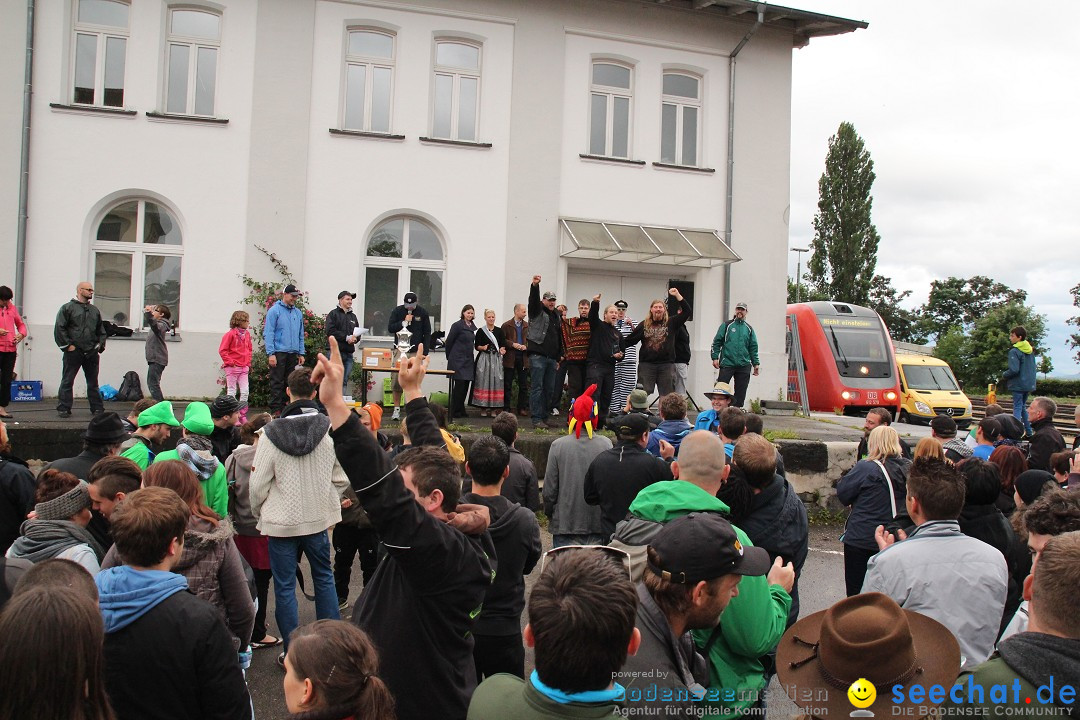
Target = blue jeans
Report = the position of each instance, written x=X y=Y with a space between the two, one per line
x=542 y=369
x=1020 y=409
x=284 y=558
x=348 y=361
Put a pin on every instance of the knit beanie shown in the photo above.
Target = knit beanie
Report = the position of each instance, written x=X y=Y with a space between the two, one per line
x=375 y=411
x=160 y=414
x=224 y=405
x=70 y=503
x=1030 y=484
x=197 y=419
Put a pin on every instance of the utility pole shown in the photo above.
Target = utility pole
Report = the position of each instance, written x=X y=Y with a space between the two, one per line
x=798 y=271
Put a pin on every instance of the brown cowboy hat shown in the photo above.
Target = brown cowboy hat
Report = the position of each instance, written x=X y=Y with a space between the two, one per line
x=866 y=636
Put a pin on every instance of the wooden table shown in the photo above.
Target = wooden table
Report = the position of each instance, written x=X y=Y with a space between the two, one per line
x=448 y=374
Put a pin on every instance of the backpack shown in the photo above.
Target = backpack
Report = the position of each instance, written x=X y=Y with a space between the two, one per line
x=131 y=388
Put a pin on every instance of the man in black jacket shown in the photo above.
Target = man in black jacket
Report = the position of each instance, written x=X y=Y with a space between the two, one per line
x=422 y=603
x=516 y=536
x=340 y=324
x=605 y=349
x=168 y=655
x=657 y=335
x=1045 y=438
x=777 y=520
x=79 y=333
x=521 y=485
x=545 y=348
x=415 y=318
x=616 y=476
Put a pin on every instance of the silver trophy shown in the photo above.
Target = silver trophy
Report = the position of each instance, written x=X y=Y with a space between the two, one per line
x=403 y=344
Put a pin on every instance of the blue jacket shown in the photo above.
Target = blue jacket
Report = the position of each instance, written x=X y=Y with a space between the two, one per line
x=864 y=489
x=284 y=330
x=671 y=430
x=1021 y=372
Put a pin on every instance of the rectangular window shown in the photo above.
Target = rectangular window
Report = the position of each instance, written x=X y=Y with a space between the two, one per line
x=680 y=124
x=191 y=63
x=380 y=297
x=369 y=80
x=609 y=110
x=100 y=57
x=456 y=101
x=112 y=286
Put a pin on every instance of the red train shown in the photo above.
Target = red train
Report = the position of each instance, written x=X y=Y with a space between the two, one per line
x=847 y=355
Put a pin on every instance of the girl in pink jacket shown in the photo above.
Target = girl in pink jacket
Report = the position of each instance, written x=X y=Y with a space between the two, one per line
x=235 y=352
x=12 y=331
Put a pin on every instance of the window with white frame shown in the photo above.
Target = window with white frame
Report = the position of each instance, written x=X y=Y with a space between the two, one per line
x=610 y=95
x=191 y=58
x=404 y=254
x=456 y=106
x=369 y=80
x=136 y=256
x=680 y=122
x=100 y=52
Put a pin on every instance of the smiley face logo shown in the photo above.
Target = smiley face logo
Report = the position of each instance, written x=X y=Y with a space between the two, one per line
x=862 y=693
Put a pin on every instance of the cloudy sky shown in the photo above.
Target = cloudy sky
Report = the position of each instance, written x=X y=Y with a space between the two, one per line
x=970 y=111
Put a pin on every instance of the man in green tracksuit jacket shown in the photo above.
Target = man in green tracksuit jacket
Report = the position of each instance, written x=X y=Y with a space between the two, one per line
x=734 y=352
x=754 y=621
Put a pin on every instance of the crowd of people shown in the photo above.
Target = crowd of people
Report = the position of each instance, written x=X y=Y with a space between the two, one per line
x=135 y=580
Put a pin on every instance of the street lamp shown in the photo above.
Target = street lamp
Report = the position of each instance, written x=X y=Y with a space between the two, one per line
x=798 y=270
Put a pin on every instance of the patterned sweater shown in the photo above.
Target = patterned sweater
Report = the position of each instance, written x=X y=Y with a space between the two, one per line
x=576 y=336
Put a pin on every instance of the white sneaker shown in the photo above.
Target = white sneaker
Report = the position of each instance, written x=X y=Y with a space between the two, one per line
x=397 y=413
x=554 y=411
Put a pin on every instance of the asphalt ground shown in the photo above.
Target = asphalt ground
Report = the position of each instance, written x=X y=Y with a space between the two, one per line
x=821 y=585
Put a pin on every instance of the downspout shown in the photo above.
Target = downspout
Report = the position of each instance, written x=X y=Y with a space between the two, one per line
x=24 y=161
x=731 y=150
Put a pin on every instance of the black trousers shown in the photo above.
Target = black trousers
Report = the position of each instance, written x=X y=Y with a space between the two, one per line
x=577 y=379
x=604 y=376
x=855 y=560
x=262 y=591
x=459 y=396
x=153 y=380
x=522 y=374
x=498 y=654
x=742 y=381
x=348 y=542
x=88 y=362
x=286 y=362
x=7 y=370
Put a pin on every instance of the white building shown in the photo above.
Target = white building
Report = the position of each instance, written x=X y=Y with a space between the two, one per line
x=451 y=147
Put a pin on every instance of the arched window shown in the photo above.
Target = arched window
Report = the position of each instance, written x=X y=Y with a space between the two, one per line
x=610 y=95
x=680 y=130
x=100 y=56
x=137 y=252
x=403 y=254
x=191 y=61
x=369 y=80
x=456 y=105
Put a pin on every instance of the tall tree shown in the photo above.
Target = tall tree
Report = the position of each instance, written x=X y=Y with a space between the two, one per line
x=885 y=300
x=958 y=303
x=1073 y=340
x=1046 y=365
x=845 y=241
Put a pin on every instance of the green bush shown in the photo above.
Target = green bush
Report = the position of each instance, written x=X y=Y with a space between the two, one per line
x=1057 y=388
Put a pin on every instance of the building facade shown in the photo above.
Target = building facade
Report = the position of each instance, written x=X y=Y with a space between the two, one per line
x=452 y=148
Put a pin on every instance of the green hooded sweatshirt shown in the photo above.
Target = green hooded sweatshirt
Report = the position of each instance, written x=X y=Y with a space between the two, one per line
x=754 y=620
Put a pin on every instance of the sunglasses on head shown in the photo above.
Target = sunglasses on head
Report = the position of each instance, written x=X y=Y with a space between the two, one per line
x=615 y=554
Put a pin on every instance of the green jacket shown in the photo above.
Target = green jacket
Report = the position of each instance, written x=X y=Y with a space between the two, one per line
x=507 y=696
x=753 y=622
x=215 y=489
x=735 y=344
x=138 y=453
x=996 y=672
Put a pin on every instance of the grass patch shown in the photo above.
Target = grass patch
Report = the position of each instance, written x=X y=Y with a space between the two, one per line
x=542 y=519
x=774 y=435
x=824 y=516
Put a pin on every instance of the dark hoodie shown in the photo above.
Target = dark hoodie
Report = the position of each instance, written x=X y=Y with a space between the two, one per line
x=168 y=655
x=616 y=476
x=421 y=605
x=516 y=536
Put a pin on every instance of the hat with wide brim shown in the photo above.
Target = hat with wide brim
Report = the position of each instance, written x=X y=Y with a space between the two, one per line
x=105 y=429
x=865 y=636
x=720 y=388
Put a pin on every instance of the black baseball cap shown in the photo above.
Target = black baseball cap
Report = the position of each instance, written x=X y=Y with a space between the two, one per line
x=630 y=426
x=704 y=546
x=290 y=289
x=621 y=304
x=343 y=293
x=410 y=298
